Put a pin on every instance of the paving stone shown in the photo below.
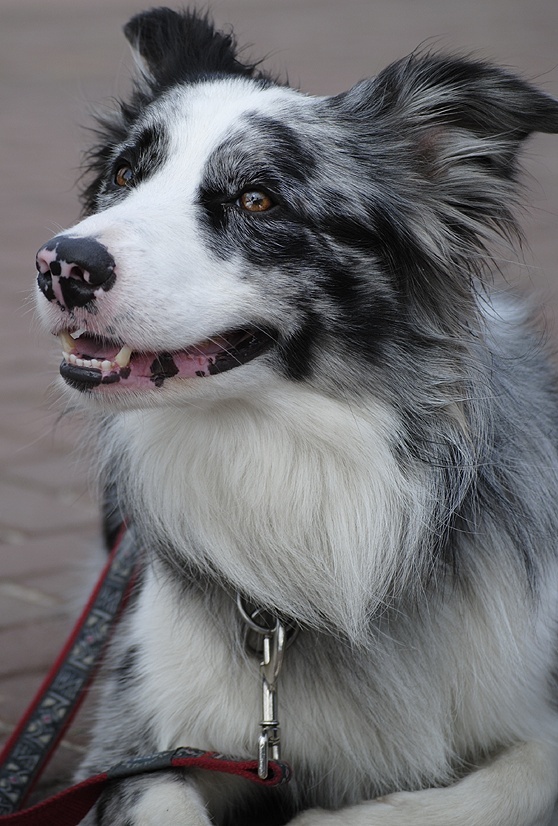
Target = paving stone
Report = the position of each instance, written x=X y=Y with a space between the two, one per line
x=36 y=513
x=32 y=647
x=20 y=605
x=42 y=556
x=69 y=586
x=59 y=474
x=15 y=695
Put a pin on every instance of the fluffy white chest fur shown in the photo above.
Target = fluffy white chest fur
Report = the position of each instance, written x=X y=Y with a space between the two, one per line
x=285 y=495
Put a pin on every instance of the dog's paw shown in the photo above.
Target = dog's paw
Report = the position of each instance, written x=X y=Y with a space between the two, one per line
x=152 y=802
x=399 y=809
x=371 y=813
x=429 y=807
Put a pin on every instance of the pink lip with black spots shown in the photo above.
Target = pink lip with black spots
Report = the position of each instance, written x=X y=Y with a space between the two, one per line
x=92 y=362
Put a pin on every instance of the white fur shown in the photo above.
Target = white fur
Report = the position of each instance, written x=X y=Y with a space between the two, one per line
x=308 y=476
x=167 y=803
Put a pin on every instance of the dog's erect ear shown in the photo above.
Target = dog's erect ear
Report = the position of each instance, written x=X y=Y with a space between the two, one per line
x=451 y=101
x=439 y=137
x=182 y=46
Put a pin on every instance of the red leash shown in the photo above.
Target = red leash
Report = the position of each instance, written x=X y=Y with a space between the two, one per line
x=34 y=740
x=69 y=807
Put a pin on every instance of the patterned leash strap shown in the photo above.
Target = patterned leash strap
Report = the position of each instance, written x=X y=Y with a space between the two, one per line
x=33 y=742
x=69 y=807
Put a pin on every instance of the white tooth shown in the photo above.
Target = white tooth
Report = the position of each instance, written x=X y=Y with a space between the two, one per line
x=106 y=365
x=79 y=362
x=72 y=358
x=95 y=363
x=66 y=355
x=122 y=358
x=66 y=340
x=78 y=332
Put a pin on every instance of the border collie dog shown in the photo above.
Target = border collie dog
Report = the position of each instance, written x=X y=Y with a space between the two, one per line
x=278 y=314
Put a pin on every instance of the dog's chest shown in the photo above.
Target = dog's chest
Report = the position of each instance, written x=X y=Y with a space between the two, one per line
x=200 y=688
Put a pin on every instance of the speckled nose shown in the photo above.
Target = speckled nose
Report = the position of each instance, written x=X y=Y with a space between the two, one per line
x=74 y=271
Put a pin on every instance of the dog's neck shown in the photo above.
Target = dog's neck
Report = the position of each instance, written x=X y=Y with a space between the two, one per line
x=292 y=497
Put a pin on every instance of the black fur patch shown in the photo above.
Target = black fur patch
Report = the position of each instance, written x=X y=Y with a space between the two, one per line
x=298 y=350
x=179 y=47
x=282 y=148
x=144 y=153
x=126 y=670
x=263 y=154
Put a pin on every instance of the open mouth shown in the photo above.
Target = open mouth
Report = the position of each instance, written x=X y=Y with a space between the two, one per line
x=91 y=361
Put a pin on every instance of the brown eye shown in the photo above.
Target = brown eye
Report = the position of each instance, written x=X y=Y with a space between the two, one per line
x=255 y=201
x=124 y=176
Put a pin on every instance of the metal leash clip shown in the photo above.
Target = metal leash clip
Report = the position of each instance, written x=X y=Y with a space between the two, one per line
x=272 y=638
x=269 y=742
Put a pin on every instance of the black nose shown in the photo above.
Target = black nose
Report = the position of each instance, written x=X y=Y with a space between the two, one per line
x=74 y=271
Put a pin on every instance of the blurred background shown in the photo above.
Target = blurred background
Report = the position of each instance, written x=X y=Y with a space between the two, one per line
x=58 y=60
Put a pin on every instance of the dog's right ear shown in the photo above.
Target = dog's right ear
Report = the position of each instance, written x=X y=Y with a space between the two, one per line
x=173 y=47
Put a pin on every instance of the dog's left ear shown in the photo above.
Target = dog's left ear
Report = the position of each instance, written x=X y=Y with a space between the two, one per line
x=173 y=46
x=439 y=136
x=456 y=109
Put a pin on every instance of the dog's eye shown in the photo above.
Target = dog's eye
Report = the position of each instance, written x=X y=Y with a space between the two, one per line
x=124 y=176
x=255 y=201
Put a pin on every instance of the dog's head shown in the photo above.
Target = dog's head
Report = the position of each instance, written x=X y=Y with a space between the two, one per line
x=238 y=230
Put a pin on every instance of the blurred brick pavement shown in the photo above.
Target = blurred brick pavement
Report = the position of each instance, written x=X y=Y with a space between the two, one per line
x=56 y=59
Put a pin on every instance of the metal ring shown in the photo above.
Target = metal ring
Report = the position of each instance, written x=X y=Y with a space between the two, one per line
x=249 y=619
x=292 y=629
